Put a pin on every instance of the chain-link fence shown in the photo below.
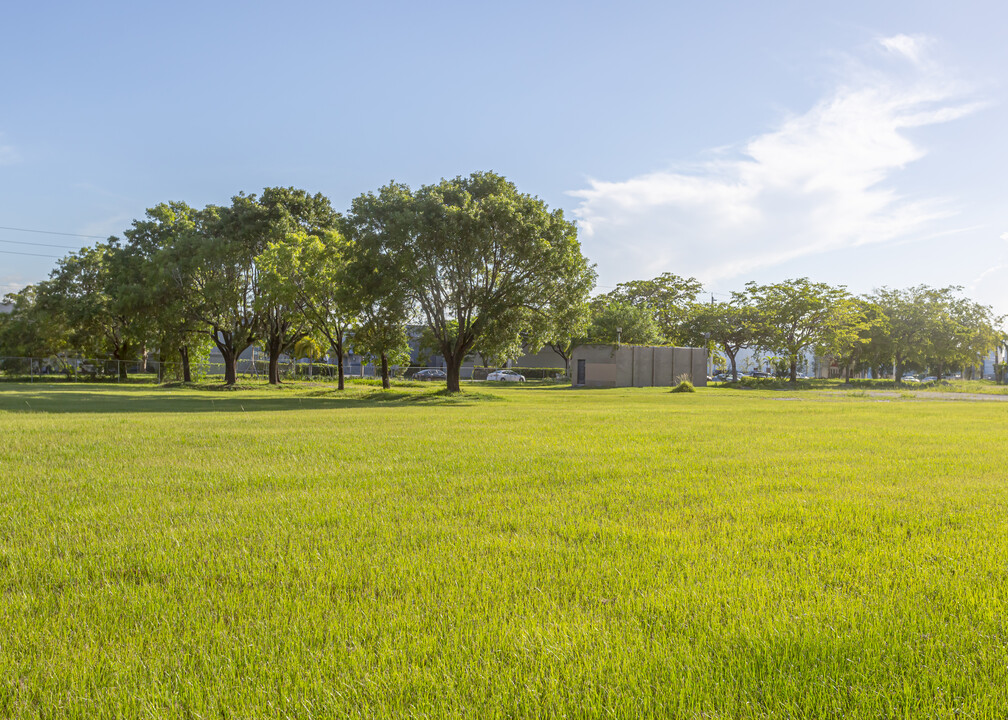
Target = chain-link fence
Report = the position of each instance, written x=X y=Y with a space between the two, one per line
x=67 y=369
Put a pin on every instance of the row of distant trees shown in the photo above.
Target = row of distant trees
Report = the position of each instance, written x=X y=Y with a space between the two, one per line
x=481 y=265
x=886 y=332
x=485 y=269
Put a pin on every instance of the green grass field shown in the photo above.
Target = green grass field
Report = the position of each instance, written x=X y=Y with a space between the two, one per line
x=513 y=552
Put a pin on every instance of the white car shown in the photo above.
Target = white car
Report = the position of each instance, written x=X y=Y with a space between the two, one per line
x=505 y=376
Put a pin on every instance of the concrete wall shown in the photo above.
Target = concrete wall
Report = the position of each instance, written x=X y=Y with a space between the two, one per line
x=547 y=357
x=639 y=366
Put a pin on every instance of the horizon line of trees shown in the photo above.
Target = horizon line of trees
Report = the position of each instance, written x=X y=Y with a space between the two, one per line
x=485 y=269
x=885 y=332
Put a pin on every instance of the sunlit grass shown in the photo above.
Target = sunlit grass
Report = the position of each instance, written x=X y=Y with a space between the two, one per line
x=510 y=551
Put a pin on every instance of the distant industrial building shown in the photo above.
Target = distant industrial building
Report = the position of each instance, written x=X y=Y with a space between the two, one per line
x=637 y=366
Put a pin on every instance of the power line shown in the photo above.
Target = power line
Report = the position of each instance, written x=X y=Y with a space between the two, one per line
x=34 y=244
x=53 y=232
x=13 y=252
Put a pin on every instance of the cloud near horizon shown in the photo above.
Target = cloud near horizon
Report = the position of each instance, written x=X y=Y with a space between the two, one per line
x=814 y=184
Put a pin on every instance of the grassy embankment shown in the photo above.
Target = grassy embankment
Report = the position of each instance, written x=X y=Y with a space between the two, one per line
x=510 y=552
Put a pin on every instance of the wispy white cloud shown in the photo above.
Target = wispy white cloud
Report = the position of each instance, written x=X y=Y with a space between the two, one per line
x=816 y=183
x=911 y=47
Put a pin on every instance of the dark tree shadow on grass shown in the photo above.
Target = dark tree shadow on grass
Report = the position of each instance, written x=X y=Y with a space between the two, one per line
x=66 y=399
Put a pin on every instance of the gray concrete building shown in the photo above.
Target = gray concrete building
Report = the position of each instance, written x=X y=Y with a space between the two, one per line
x=637 y=366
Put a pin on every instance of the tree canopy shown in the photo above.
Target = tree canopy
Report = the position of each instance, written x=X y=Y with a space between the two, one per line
x=476 y=257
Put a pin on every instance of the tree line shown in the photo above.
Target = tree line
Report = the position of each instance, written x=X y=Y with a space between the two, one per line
x=480 y=264
x=484 y=268
x=887 y=332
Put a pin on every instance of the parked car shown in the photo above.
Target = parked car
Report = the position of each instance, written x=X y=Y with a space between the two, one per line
x=760 y=374
x=430 y=374
x=929 y=379
x=505 y=376
x=910 y=379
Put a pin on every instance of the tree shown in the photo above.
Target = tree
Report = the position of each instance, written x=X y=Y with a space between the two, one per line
x=730 y=326
x=154 y=291
x=315 y=271
x=914 y=330
x=383 y=305
x=617 y=321
x=796 y=315
x=668 y=297
x=567 y=323
x=963 y=331
x=850 y=343
x=474 y=251
x=88 y=292
x=268 y=220
x=28 y=331
x=215 y=262
x=382 y=336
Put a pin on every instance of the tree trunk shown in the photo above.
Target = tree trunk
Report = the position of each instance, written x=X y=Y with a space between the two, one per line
x=274 y=359
x=230 y=365
x=120 y=363
x=734 y=368
x=454 y=370
x=384 y=372
x=898 y=371
x=274 y=370
x=794 y=371
x=339 y=362
x=186 y=369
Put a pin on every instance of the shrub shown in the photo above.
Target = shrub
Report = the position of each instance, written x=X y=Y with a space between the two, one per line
x=684 y=384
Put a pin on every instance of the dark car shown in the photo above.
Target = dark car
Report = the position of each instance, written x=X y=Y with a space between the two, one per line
x=430 y=374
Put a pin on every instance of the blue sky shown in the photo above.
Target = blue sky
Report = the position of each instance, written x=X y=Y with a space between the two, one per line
x=859 y=143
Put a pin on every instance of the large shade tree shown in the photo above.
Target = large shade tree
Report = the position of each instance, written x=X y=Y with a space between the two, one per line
x=798 y=315
x=616 y=321
x=475 y=256
x=216 y=264
x=567 y=323
x=850 y=344
x=669 y=298
x=259 y=222
x=89 y=292
x=730 y=326
x=314 y=272
x=154 y=291
x=919 y=328
x=29 y=330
